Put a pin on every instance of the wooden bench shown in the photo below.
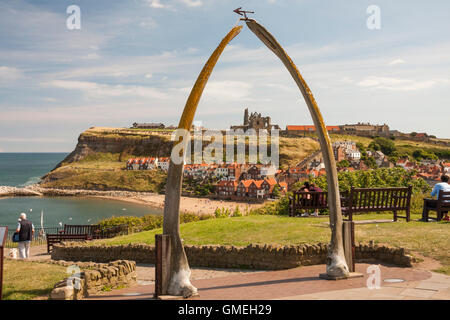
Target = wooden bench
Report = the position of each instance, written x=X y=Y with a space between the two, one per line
x=93 y=231
x=357 y=200
x=441 y=205
x=304 y=200
x=59 y=237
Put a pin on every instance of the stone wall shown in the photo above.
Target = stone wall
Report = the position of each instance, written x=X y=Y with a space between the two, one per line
x=263 y=257
x=93 y=278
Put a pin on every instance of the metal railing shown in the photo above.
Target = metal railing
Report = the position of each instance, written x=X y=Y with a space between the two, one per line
x=38 y=237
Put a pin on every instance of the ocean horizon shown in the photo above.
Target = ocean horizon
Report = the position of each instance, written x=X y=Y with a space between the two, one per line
x=19 y=169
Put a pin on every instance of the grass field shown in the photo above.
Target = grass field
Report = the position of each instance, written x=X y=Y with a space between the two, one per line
x=429 y=239
x=27 y=280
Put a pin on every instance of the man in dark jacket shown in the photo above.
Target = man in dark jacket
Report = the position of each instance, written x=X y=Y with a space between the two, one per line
x=25 y=229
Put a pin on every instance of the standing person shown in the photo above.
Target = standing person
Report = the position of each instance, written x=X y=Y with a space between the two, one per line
x=25 y=228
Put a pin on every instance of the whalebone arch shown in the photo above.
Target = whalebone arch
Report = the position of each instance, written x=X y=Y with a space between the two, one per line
x=179 y=283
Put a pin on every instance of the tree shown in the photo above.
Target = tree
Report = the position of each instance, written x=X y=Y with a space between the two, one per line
x=276 y=191
x=343 y=164
x=370 y=162
x=386 y=146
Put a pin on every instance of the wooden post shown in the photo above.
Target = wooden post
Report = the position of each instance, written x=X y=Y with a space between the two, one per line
x=1 y=272
x=348 y=233
x=3 y=236
x=162 y=264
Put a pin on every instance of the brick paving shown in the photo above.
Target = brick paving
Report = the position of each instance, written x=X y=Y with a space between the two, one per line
x=304 y=283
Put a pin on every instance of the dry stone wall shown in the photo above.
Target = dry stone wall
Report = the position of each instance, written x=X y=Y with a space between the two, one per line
x=253 y=256
x=94 y=278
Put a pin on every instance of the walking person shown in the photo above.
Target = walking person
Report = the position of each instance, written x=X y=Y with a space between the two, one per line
x=25 y=228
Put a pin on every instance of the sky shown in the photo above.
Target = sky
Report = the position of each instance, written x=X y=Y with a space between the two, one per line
x=137 y=60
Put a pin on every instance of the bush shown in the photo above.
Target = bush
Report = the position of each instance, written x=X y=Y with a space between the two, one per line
x=237 y=212
x=377 y=178
x=386 y=146
x=147 y=222
x=222 y=213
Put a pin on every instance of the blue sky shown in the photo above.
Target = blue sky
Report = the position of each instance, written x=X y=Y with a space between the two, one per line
x=136 y=60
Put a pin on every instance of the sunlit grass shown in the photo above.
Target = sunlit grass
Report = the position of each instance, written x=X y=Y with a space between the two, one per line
x=429 y=239
x=25 y=280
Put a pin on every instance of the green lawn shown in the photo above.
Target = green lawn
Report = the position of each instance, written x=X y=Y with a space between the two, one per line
x=27 y=280
x=429 y=239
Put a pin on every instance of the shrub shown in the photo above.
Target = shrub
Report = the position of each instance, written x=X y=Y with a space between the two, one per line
x=237 y=212
x=222 y=213
x=147 y=222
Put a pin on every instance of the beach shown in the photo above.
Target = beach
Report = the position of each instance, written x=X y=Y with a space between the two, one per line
x=201 y=206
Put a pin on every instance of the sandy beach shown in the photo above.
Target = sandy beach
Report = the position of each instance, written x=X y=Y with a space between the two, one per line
x=201 y=206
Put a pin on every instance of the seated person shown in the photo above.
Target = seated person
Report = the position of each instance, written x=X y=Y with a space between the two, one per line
x=310 y=187
x=432 y=203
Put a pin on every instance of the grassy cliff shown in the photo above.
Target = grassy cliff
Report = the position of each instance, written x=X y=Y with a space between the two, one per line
x=98 y=161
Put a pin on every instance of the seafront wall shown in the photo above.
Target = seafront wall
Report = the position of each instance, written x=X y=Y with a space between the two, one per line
x=253 y=256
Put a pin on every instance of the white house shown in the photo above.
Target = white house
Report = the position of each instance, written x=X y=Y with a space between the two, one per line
x=353 y=154
x=222 y=170
x=163 y=163
x=136 y=164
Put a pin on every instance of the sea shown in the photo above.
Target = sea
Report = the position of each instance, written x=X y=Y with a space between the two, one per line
x=22 y=169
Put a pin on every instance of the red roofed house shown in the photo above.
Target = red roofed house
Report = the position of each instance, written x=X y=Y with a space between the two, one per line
x=255 y=189
x=242 y=188
x=226 y=188
x=268 y=185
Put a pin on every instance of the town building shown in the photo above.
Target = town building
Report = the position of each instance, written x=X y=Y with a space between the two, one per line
x=304 y=129
x=365 y=129
x=148 y=126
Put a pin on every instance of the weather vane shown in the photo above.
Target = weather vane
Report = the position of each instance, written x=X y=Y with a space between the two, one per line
x=242 y=12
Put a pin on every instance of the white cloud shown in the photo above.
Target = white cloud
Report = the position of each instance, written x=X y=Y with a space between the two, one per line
x=397 y=84
x=10 y=74
x=98 y=90
x=156 y=4
x=192 y=3
x=396 y=61
x=148 y=23
x=227 y=90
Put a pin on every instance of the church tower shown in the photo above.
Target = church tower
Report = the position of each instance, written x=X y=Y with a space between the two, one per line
x=246 y=117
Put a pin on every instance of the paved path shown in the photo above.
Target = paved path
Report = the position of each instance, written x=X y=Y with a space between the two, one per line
x=304 y=283
x=292 y=284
